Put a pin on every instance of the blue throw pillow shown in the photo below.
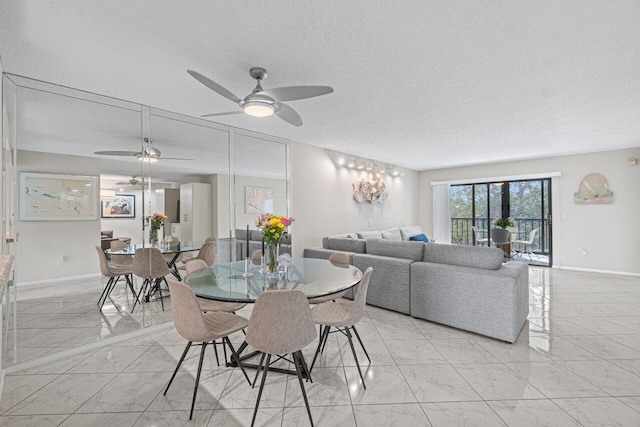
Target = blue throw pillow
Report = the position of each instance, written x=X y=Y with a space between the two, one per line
x=419 y=238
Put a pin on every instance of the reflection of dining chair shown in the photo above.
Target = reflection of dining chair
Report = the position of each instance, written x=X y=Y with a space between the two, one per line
x=195 y=326
x=207 y=254
x=149 y=264
x=256 y=257
x=343 y=316
x=281 y=323
x=337 y=258
x=207 y=305
x=114 y=273
x=116 y=259
x=476 y=238
x=527 y=243
x=210 y=239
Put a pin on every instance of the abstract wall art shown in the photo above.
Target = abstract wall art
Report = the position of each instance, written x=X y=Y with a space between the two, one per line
x=593 y=190
x=258 y=200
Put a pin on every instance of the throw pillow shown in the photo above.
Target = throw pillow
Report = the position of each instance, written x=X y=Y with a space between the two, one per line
x=392 y=234
x=419 y=238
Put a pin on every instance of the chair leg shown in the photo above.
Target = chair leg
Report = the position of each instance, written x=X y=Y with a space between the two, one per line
x=323 y=337
x=360 y=341
x=184 y=354
x=159 y=283
x=114 y=282
x=104 y=291
x=264 y=378
x=326 y=338
x=235 y=356
x=258 y=370
x=215 y=350
x=297 y=356
x=195 y=390
x=355 y=356
x=142 y=291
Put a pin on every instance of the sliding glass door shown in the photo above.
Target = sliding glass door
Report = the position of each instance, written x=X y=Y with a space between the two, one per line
x=475 y=207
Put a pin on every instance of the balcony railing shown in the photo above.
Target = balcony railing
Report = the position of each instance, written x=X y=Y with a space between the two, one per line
x=462 y=233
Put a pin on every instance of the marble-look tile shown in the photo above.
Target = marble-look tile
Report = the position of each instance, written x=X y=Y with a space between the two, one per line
x=17 y=388
x=329 y=358
x=398 y=331
x=632 y=341
x=464 y=350
x=336 y=416
x=631 y=402
x=126 y=393
x=532 y=413
x=378 y=352
x=433 y=330
x=519 y=351
x=52 y=339
x=632 y=366
x=607 y=376
x=367 y=330
x=383 y=315
x=32 y=420
x=600 y=412
x=63 y=395
x=415 y=352
x=173 y=419
x=180 y=394
x=385 y=385
x=408 y=414
x=554 y=381
x=108 y=360
x=468 y=414
x=266 y=417
x=239 y=394
x=604 y=347
x=558 y=348
x=164 y=358
x=102 y=420
x=497 y=382
x=437 y=383
x=329 y=388
x=59 y=366
x=602 y=326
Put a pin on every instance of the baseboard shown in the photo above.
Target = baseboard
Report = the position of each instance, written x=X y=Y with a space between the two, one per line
x=593 y=270
x=83 y=348
x=60 y=279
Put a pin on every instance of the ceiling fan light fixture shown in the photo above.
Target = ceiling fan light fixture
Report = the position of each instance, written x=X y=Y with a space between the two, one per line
x=258 y=109
x=146 y=158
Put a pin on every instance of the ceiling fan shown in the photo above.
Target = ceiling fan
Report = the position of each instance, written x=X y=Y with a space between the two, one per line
x=132 y=181
x=264 y=102
x=148 y=154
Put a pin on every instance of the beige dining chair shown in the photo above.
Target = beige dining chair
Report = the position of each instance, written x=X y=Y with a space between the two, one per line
x=343 y=316
x=117 y=259
x=210 y=239
x=202 y=328
x=281 y=323
x=339 y=259
x=149 y=264
x=207 y=254
x=114 y=273
x=256 y=257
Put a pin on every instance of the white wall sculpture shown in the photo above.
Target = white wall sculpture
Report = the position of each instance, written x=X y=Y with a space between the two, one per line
x=370 y=189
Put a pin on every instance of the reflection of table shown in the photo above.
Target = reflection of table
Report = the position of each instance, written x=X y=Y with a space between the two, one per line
x=314 y=277
x=176 y=250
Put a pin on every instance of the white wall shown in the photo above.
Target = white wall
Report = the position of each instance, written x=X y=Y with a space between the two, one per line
x=322 y=200
x=127 y=227
x=43 y=243
x=610 y=233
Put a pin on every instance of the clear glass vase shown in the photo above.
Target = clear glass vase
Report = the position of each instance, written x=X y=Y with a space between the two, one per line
x=153 y=237
x=273 y=250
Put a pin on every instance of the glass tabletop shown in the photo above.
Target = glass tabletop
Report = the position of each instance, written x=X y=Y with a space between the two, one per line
x=314 y=277
x=180 y=247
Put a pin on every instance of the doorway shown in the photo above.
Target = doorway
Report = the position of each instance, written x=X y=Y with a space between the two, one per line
x=527 y=202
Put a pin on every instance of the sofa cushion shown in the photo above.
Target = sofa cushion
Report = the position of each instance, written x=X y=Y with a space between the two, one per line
x=369 y=235
x=394 y=249
x=347 y=244
x=392 y=234
x=407 y=232
x=339 y=236
x=466 y=256
x=254 y=235
x=419 y=238
x=241 y=234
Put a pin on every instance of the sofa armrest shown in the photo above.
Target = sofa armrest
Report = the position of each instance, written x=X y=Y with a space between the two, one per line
x=390 y=284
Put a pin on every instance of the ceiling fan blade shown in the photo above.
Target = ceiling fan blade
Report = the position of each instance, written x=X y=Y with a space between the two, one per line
x=223 y=114
x=291 y=93
x=214 y=86
x=116 y=153
x=173 y=158
x=288 y=114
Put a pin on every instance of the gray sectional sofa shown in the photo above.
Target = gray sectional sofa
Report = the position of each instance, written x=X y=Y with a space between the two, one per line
x=467 y=287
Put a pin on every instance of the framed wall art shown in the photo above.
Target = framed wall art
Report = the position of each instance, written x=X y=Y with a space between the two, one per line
x=258 y=200
x=122 y=206
x=57 y=197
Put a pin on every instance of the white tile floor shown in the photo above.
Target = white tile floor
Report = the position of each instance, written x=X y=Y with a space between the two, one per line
x=576 y=362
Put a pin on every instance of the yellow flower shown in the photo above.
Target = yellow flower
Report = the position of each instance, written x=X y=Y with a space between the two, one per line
x=280 y=225
x=277 y=235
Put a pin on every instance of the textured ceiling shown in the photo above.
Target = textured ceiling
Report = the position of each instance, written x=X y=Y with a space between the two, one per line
x=422 y=84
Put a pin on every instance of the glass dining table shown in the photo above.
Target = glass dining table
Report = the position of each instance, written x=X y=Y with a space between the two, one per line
x=237 y=282
x=174 y=250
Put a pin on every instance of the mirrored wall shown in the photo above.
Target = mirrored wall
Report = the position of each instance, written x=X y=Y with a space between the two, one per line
x=117 y=163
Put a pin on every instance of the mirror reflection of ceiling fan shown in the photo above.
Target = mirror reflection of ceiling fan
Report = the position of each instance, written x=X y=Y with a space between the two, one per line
x=148 y=154
x=135 y=182
x=264 y=102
